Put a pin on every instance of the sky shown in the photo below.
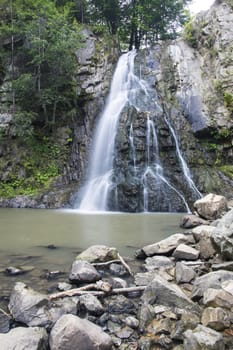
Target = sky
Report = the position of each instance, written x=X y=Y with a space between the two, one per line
x=200 y=5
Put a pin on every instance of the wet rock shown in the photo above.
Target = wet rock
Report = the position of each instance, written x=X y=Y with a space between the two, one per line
x=62 y=286
x=132 y=322
x=4 y=323
x=33 y=309
x=215 y=318
x=118 y=283
x=83 y=272
x=98 y=253
x=91 y=304
x=117 y=270
x=191 y=221
x=14 y=271
x=167 y=245
x=184 y=274
x=217 y=298
x=186 y=252
x=120 y=304
x=157 y=262
x=20 y=338
x=28 y=306
x=124 y=333
x=73 y=333
x=210 y=280
x=211 y=207
x=160 y=291
x=203 y=338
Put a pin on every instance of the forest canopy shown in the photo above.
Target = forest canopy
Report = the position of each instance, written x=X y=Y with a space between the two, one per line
x=38 y=39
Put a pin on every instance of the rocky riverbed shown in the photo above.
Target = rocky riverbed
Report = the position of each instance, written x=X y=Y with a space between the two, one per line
x=177 y=295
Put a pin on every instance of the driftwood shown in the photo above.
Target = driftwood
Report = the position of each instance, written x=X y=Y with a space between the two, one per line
x=104 y=291
x=120 y=259
x=4 y=312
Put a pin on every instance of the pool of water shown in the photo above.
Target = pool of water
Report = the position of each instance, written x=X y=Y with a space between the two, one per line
x=27 y=235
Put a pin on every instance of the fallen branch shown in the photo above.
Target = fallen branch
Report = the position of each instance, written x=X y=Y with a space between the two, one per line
x=81 y=291
x=124 y=264
x=4 y=313
x=106 y=263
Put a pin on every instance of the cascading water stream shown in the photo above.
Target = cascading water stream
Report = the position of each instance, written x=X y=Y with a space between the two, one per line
x=129 y=92
x=94 y=196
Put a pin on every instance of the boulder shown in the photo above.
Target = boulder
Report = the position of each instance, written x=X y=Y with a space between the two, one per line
x=98 y=253
x=184 y=274
x=160 y=291
x=228 y=287
x=222 y=237
x=73 y=333
x=215 y=318
x=218 y=298
x=167 y=245
x=203 y=338
x=89 y=303
x=83 y=272
x=186 y=252
x=191 y=221
x=21 y=338
x=202 y=231
x=211 y=207
x=210 y=280
x=33 y=309
x=157 y=262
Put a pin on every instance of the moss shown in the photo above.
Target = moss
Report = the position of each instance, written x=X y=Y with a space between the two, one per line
x=32 y=171
x=227 y=170
x=228 y=101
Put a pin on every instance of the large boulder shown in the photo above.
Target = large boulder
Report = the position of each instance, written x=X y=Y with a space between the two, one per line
x=20 y=338
x=83 y=272
x=34 y=309
x=210 y=280
x=160 y=291
x=211 y=207
x=222 y=236
x=203 y=338
x=98 y=253
x=73 y=333
x=167 y=245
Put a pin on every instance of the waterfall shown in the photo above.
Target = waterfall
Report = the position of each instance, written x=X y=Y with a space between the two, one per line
x=95 y=193
x=136 y=178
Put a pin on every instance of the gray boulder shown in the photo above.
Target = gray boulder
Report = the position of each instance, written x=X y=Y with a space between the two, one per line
x=167 y=245
x=222 y=236
x=218 y=298
x=160 y=291
x=203 y=338
x=184 y=274
x=91 y=304
x=20 y=338
x=157 y=262
x=98 y=253
x=190 y=221
x=186 y=252
x=33 y=308
x=215 y=318
x=73 y=333
x=83 y=272
x=211 y=207
x=210 y=280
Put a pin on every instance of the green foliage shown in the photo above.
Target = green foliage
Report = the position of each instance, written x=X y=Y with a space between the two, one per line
x=24 y=124
x=37 y=170
x=227 y=170
x=228 y=101
x=190 y=34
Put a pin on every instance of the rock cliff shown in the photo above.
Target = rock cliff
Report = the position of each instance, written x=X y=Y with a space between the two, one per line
x=192 y=79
